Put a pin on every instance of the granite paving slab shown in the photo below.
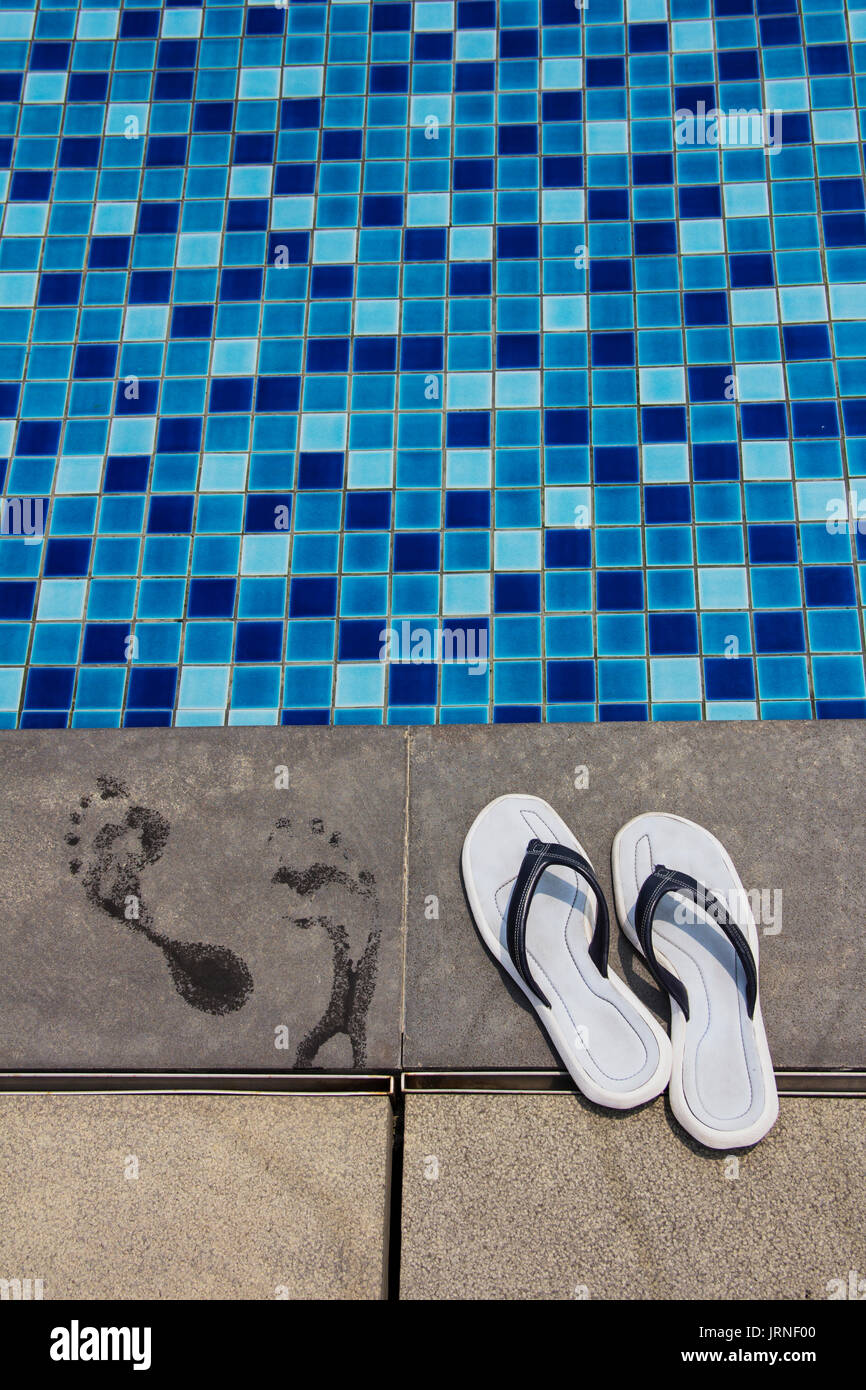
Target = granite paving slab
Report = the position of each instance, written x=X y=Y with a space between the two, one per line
x=201 y=899
x=548 y=1197
x=195 y=1197
x=787 y=801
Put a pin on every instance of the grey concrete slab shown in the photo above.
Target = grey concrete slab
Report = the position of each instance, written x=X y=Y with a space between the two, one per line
x=225 y=898
x=547 y=1197
x=195 y=1196
x=787 y=801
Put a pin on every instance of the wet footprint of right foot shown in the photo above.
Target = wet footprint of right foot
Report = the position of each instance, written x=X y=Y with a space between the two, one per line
x=210 y=978
x=315 y=866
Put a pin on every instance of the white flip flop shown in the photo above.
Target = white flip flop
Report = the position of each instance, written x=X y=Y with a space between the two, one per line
x=692 y=923
x=540 y=911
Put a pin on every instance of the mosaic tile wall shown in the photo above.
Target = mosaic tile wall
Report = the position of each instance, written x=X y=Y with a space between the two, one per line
x=332 y=333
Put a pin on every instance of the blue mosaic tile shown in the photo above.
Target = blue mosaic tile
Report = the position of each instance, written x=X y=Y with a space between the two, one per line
x=471 y=362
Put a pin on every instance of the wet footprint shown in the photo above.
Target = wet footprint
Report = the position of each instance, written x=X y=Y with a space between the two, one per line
x=207 y=977
x=315 y=866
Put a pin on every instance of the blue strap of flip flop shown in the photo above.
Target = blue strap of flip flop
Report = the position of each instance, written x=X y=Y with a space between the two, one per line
x=539 y=857
x=663 y=881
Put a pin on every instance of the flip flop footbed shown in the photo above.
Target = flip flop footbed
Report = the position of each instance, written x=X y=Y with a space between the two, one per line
x=614 y=1049
x=723 y=1090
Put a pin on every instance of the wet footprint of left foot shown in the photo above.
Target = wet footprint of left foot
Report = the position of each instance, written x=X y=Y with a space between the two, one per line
x=210 y=978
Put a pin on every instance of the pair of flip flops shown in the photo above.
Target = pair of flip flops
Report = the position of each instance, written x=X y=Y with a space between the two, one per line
x=541 y=912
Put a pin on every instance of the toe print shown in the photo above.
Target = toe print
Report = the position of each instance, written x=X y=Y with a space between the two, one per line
x=123 y=841
x=320 y=874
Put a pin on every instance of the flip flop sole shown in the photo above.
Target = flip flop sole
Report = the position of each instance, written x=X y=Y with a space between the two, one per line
x=613 y=1048
x=723 y=1090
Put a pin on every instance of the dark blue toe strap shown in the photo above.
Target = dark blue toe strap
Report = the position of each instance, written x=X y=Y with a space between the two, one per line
x=663 y=881
x=538 y=857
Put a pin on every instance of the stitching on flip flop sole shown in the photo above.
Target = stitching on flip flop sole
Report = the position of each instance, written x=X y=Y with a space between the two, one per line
x=610 y=1002
x=555 y=839
x=574 y=1025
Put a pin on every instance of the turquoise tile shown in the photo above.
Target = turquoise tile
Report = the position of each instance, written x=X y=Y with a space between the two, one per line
x=405 y=256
